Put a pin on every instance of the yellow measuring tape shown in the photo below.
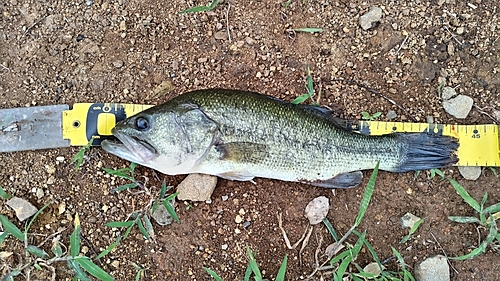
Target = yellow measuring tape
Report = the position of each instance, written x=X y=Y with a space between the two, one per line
x=479 y=144
x=95 y=120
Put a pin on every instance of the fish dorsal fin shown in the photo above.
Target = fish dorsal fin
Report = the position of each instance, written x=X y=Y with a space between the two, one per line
x=345 y=180
x=243 y=152
x=327 y=114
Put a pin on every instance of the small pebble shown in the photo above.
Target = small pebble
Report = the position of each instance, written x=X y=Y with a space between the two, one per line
x=23 y=208
x=317 y=210
x=391 y=114
x=224 y=247
x=197 y=187
x=470 y=172
x=161 y=215
x=459 y=106
x=447 y=93
x=220 y=35
x=369 y=19
x=225 y=197
x=238 y=219
x=408 y=220
x=118 y=63
x=433 y=269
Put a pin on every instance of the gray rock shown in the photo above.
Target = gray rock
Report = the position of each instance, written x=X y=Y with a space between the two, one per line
x=408 y=220
x=448 y=92
x=391 y=114
x=433 y=269
x=161 y=215
x=459 y=106
x=118 y=63
x=470 y=172
x=496 y=114
x=317 y=210
x=197 y=187
x=220 y=35
x=23 y=208
x=369 y=19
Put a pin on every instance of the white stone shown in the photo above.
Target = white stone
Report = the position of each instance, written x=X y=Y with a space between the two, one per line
x=459 y=106
x=23 y=208
x=369 y=19
x=196 y=187
x=433 y=269
x=317 y=210
x=470 y=172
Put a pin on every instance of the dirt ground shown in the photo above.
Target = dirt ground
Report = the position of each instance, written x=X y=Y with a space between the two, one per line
x=64 y=52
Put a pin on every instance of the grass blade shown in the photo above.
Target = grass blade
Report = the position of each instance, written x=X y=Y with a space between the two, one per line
x=308 y=29
x=253 y=264
x=465 y=195
x=3 y=236
x=79 y=273
x=109 y=248
x=27 y=228
x=34 y=250
x=213 y=274
x=78 y=158
x=149 y=226
x=482 y=247
x=93 y=269
x=12 y=228
x=74 y=239
x=460 y=219
x=282 y=270
x=163 y=190
x=56 y=248
x=300 y=99
x=143 y=229
x=495 y=208
x=330 y=228
x=412 y=230
x=4 y=194
x=124 y=187
x=201 y=8
x=120 y=223
x=129 y=229
x=370 y=249
x=365 y=201
x=248 y=273
x=170 y=209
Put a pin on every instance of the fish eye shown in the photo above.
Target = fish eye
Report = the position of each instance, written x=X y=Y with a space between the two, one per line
x=141 y=123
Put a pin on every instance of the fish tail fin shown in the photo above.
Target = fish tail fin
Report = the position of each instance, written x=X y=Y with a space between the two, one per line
x=424 y=151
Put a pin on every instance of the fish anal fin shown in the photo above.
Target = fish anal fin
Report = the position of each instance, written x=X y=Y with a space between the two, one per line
x=345 y=180
x=242 y=152
x=236 y=175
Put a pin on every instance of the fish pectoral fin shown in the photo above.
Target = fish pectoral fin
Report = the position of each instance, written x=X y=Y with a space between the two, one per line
x=242 y=152
x=346 y=180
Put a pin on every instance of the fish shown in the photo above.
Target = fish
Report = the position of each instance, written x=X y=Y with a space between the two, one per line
x=241 y=135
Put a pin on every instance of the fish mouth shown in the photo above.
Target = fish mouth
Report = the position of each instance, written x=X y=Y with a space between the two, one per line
x=130 y=148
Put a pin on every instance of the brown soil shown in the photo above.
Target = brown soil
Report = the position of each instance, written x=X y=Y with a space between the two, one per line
x=64 y=52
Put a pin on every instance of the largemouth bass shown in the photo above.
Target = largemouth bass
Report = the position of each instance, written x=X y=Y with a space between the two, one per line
x=240 y=135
